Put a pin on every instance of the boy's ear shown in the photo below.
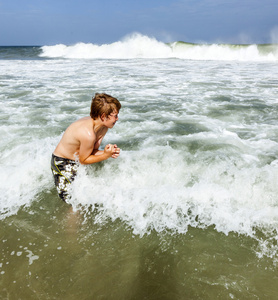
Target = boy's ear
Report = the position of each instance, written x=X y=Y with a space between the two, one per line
x=103 y=116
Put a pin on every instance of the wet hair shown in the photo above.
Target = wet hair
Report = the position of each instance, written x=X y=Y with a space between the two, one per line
x=103 y=103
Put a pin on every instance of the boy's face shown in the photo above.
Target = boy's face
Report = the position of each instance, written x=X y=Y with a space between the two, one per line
x=111 y=119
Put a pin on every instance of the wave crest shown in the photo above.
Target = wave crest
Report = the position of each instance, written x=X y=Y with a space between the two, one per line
x=141 y=46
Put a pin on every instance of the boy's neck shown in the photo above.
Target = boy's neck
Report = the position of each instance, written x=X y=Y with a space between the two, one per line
x=97 y=124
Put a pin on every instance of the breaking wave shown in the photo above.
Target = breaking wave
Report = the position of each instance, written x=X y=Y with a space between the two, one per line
x=141 y=46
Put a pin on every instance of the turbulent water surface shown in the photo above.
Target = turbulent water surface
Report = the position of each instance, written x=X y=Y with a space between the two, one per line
x=190 y=208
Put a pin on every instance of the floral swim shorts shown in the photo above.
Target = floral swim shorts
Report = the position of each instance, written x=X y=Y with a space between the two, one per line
x=64 y=171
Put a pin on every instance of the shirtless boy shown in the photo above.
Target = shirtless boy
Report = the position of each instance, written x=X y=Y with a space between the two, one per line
x=81 y=141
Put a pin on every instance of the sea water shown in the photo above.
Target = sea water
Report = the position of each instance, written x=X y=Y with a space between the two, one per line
x=190 y=208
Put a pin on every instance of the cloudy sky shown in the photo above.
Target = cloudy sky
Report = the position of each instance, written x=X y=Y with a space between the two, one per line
x=49 y=22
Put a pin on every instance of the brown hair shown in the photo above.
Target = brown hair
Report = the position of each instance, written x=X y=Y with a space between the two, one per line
x=103 y=103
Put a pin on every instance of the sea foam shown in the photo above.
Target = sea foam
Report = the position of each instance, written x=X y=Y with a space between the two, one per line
x=140 y=46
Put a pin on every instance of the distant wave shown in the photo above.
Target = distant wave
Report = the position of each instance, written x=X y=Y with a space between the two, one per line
x=141 y=46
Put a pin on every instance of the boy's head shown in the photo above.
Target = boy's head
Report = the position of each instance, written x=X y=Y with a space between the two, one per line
x=104 y=104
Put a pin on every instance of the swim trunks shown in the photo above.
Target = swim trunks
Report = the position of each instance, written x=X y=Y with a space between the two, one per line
x=64 y=171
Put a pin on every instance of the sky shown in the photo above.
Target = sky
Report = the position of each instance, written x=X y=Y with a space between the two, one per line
x=51 y=22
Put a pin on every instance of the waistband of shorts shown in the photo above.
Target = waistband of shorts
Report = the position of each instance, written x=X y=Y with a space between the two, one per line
x=64 y=159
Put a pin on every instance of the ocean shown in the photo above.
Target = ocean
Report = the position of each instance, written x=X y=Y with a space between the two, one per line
x=189 y=210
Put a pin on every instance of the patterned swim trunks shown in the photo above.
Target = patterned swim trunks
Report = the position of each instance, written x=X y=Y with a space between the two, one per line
x=64 y=171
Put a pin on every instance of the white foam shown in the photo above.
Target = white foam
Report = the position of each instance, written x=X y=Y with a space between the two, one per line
x=140 y=46
x=222 y=52
x=31 y=256
x=25 y=174
x=156 y=188
x=135 y=46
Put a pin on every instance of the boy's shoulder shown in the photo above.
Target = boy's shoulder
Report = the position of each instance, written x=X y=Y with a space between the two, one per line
x=81 y=123
x=81 y=127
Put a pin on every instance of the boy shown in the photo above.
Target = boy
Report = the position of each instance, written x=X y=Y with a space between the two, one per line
x=81 y=141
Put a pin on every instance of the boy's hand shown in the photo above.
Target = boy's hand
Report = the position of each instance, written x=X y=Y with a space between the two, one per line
x=112 y=151
x=116 y=151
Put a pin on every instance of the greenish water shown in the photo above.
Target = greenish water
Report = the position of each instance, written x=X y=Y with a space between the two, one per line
x=50 y=252
x=189 y=209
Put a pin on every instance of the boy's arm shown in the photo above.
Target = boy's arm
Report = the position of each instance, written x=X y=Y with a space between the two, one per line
x=96 y=151
x=87 y=156
x=115 y=150
x=109 y=151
